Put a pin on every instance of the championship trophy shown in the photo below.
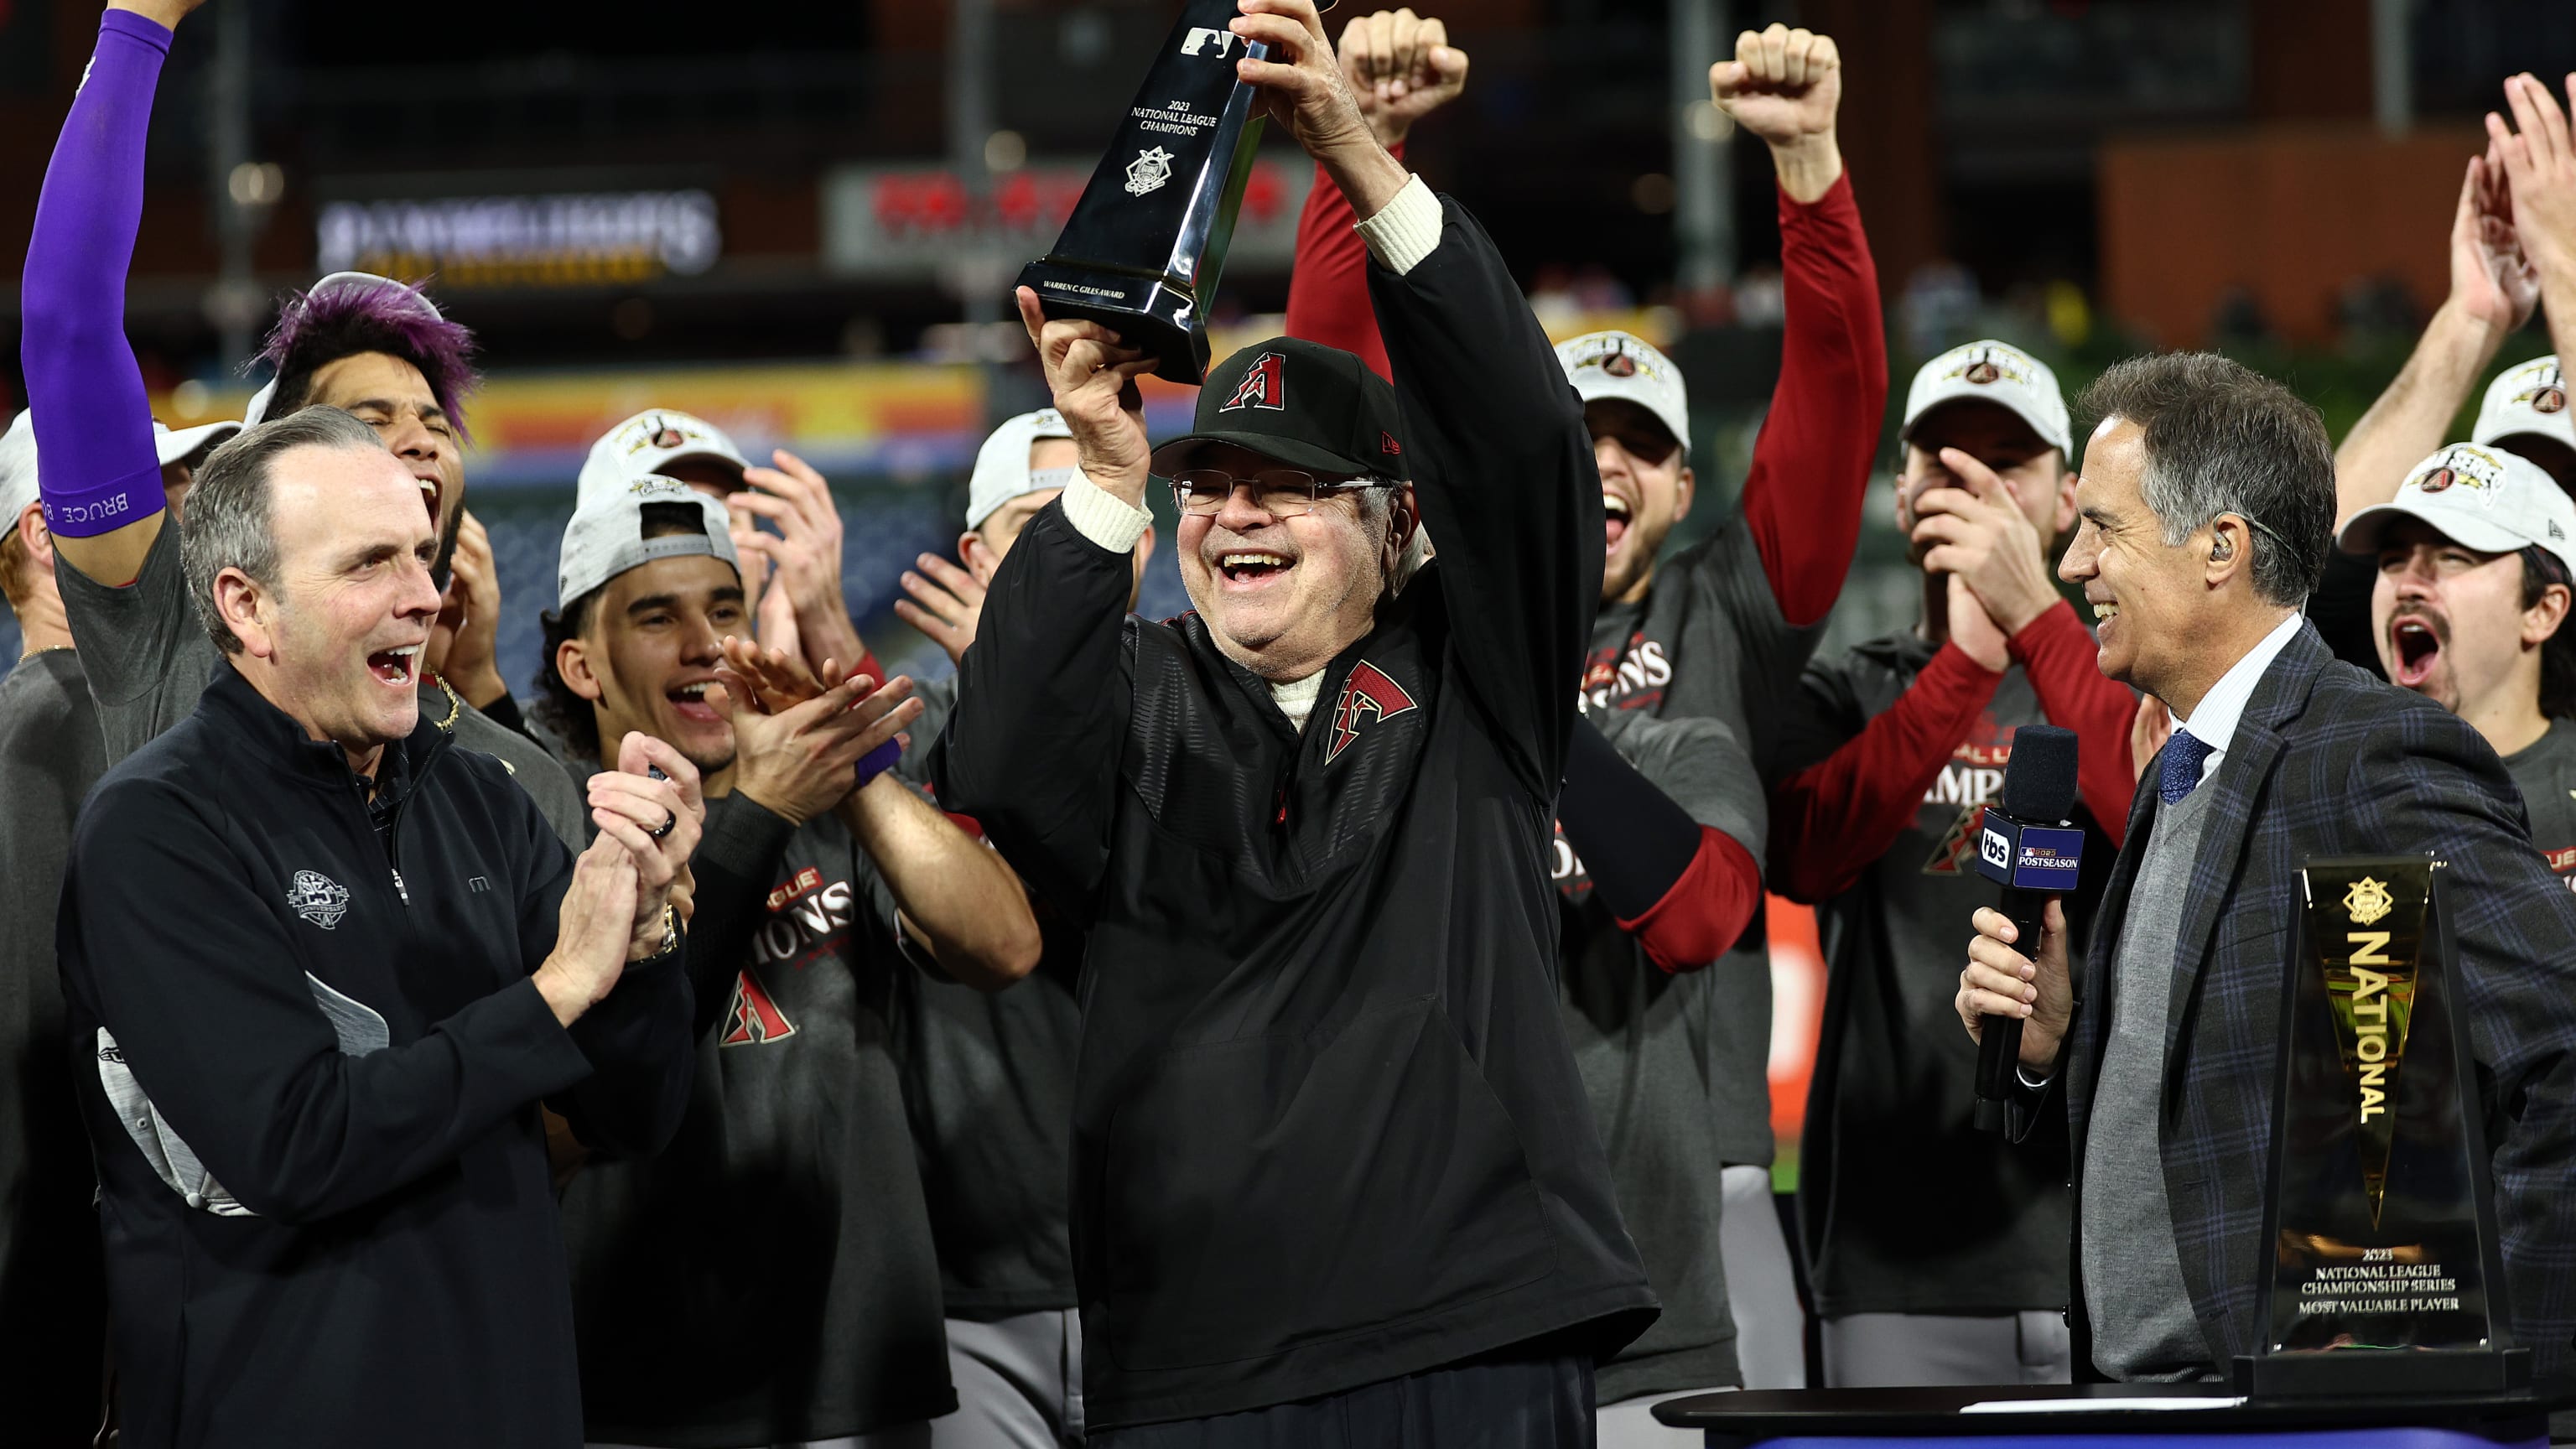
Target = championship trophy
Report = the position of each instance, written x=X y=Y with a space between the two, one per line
x=1141 y=253
x=2382 y=1269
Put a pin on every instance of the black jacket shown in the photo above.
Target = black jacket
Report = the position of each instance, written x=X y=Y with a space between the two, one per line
x=1327 y=1131
x=310 y=1059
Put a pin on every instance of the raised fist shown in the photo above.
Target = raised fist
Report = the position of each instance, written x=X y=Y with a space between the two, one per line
x=1401 y=68
x=1784 y=85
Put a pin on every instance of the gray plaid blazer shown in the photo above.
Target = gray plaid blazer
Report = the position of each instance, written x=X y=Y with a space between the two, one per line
x=2328 y=760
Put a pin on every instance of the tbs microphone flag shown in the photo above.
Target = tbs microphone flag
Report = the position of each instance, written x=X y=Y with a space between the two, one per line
x=2029 y=849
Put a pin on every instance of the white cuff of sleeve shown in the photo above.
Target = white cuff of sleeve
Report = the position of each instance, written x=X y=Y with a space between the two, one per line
x=1103 y=517
x=2027 y=1080
x=1405 y=230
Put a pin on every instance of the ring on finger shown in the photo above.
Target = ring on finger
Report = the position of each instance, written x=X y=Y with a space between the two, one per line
x=670 y=823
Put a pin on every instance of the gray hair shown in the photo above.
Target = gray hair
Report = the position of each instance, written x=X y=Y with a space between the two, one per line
x=2222 y=438
x=230 y=523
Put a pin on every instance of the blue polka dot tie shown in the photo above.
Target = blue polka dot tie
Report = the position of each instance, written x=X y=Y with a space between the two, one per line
x=2179 y=773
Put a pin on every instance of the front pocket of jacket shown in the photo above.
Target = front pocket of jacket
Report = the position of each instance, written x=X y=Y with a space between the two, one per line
x=1277 y=1191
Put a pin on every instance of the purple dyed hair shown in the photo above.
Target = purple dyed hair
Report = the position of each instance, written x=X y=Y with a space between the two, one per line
x=317 y=328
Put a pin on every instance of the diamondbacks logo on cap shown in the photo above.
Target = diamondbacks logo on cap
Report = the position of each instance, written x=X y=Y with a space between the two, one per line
x=1265 y=386
x=1991 y=365
x=1620 y=364
x=1368 y=693
x=2464 y=466
x=2548 y=397
x=666 y=436
x=317 y=898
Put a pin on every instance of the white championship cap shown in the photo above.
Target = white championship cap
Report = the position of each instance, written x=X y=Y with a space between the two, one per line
x=18 y=457
x=1625 y=366
x=2531 y=398
x=1002 y=465
x=257 y=412
x=2483 y=498
x=606 y=535
x=649 y=442
x=1992 y=372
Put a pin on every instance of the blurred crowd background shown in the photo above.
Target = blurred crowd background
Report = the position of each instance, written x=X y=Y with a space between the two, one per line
x=800 y=221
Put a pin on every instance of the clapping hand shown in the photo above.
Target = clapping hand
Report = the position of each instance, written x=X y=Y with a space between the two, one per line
x=657 y=817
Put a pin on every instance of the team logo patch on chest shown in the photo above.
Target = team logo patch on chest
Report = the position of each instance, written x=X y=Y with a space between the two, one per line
x=317 y=898
x=1368 y=694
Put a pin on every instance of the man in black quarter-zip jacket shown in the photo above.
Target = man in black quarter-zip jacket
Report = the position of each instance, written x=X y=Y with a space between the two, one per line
x=323 y=963
x=1334 y=1174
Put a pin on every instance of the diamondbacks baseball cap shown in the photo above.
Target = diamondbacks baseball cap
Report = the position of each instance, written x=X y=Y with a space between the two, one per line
x=1299 y=403
x=18 y=456
x=2481 y=497
x=648 y=443
x=1992 y=372
x=1002 y=465
x=1627 y=367
x=2531 y=398
x=606 y=535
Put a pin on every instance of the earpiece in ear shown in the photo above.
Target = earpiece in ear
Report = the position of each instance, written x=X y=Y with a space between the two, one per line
x=2221 y=551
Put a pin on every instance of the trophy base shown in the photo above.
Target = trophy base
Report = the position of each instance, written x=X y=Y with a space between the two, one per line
x=1146 y=312
x=2381 y=1372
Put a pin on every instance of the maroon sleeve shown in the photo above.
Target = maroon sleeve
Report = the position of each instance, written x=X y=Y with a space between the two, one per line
x=1830 y=820
x=1707 y=908
x=2060 y=657
x=1811 y=463
x=1328 y=298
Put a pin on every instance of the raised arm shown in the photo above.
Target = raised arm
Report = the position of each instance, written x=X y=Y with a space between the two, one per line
x=97 y=467
x=2539 y=162
x=2493 y=289
x=1811 y=463
x=1031 y=746
x=1401 y=69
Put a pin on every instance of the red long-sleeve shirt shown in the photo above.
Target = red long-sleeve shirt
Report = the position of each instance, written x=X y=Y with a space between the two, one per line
x=1823 y=426
x=1832 y=819
x=1802 y=496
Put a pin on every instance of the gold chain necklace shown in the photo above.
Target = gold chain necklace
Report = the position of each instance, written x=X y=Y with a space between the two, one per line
x=455 y=700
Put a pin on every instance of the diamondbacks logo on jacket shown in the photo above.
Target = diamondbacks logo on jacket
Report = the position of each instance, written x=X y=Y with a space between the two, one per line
x=317 y=898
x=754 y=1018
x=1265 y=386
x=1367 y=693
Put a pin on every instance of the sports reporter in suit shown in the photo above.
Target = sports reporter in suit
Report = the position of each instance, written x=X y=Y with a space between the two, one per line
x=2206 y=506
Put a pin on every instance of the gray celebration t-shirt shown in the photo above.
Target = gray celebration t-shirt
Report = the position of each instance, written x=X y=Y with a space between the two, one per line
x=2545 y=772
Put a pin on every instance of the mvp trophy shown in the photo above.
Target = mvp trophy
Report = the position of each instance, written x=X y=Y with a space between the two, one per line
x=2382 y=1272
x=1143 y=248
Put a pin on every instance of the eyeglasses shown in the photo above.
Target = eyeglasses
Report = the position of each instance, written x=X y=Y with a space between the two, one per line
x=1279 y=492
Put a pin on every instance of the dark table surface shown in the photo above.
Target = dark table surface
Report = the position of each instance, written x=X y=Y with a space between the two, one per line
x=1779 y=1413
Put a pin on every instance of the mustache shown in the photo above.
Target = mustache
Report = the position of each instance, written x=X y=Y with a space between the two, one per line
x=2425 y=615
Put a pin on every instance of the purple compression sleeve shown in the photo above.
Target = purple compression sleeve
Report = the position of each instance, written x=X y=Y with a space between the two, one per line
x=96 y=463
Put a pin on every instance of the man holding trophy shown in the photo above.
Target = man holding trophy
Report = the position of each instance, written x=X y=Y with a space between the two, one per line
x=1334 y=1177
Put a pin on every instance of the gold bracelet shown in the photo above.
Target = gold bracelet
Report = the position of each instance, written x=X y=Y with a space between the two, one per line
x=455 y=703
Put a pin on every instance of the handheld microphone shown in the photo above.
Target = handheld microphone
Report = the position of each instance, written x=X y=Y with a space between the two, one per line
x=2029 y=849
